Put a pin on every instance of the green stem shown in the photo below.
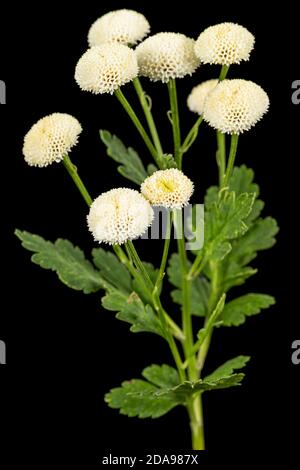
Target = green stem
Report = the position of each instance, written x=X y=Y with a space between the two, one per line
x=212 y=302
x=159 y=309
x=147 y=290
x=194 y=404
x=148 y=115
x=138 y=263
x=72 y=170
x=195 y=410
x=164 y=260
x=175 y=121
x=128 y=108
x=231 y=159
x=192 y=135
x=197 y=265
x=223 y=73
x=221 y=156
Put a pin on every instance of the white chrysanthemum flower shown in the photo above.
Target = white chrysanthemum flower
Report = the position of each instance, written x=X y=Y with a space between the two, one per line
x=119 y=215
x=234 y=106
x=224 y=44
x=199 y=94
x=105 y=68
x=50 y=139
x=123 y=26
x=168 y=188
x=167 y=55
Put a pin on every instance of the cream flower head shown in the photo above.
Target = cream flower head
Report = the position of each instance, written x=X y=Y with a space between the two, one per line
x=224 y=44
x=167 y=55
x=198 y=95
x=105 y=68
x=234 y=106
x=123 y=26
x=168 y=188
x=119 y=215
x=50 y=139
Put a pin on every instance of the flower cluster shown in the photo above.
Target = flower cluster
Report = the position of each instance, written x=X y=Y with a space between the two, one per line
x=230 y=106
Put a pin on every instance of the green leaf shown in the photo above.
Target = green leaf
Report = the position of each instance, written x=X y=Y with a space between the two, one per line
x=186 y=389
x=161 y=376
x=225 y=221
x=138 y=398
x=132 y=310
x=200 y=287
x=144 y=399
x=131 y=166
x=66 y=260
x=260 y=236
x=240 y=182
x=112 y=269
x=236 y=311
x=228 y=368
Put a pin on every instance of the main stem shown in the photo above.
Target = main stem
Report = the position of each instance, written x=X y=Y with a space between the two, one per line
x=194 y=404
x=131 y=113
x=175 y=122
x=148 y=115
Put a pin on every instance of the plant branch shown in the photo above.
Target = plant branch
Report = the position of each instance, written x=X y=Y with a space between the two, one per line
x=131 y=113
x=72 y=170
x=231 y=159
x=221 y=156
x=175 y=121
x=223 y=73
x=148 y=115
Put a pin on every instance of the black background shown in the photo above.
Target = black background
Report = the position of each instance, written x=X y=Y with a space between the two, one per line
x=63 y=351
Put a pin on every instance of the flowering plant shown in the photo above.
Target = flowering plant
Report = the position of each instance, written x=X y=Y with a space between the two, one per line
x=233 y=230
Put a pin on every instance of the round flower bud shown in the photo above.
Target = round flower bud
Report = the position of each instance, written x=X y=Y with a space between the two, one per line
x=224 y=44
x=50 y=139
x=167 y=55
x=123 y=26
x=234 y=106
x=105 y=68
x=168 y=188
x=119 y=215
x=198 y=95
